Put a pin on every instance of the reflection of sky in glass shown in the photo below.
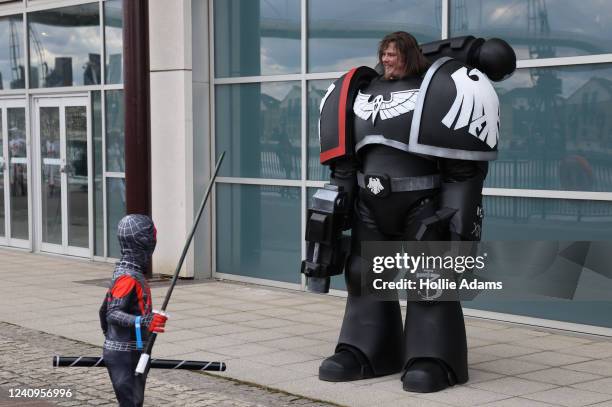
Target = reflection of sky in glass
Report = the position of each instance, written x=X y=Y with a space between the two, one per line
x=259 y=127
x=260 y=226
x=115 y=131
x=556 y=129
x=546 y=219
x=574 y=27
x=67 y=41
x=11 y=53
x=254 y=37
x=316 y=90
x=113 y=29
x=345 y=33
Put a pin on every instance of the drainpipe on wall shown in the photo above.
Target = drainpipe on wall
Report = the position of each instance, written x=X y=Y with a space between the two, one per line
x=137 y=108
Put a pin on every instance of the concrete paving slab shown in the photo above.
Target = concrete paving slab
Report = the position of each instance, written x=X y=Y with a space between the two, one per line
x=517 y=402
x=295 y=342
x=477 y=376
x=464 y=396
x=274 y=339
x=593 y=350
x=265 y=323
x=210 y=342
x=512 y=386
x=475 y=357
x=506 y=350
x=570 y=397
x=223 y=328
x=280 y=358
x=244 y=350
x=509 y=366
x=474 y=342
x=602 y=367
x=600 y=386
x=559 y=376
x=553 y=342
x=552 y=358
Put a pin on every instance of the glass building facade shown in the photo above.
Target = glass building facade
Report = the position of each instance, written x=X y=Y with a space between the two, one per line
x=62 y=179
x=272 y=61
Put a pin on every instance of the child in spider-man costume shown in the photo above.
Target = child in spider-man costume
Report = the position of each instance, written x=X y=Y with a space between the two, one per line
x=126 y=314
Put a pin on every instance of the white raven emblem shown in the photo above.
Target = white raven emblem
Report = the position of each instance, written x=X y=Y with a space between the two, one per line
x=476 y=105
x=400 y=102
x=375 y=186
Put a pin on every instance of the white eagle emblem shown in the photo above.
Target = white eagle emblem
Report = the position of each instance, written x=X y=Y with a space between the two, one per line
x=476 y=105
x=375 y=186
x=400 y=102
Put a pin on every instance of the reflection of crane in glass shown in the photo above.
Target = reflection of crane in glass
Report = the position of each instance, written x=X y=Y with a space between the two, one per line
x=544 y=80
x=17 y=70
x=539 y=30
x=459 y=17
x=545 y=101
x=42 y=63
x=17 y=73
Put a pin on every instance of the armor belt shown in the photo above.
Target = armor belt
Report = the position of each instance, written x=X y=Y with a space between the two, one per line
x=381 y=185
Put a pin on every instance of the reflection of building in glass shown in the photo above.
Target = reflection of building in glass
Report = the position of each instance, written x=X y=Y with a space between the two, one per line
x=12 y=70
x=91 y=75
x=556 y=141
x=589 y=123
x=280 y=157
x=61 y=74
x=115 y=68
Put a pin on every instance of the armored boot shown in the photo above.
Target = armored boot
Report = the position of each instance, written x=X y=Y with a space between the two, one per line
x=370 y=342
x=435 y=346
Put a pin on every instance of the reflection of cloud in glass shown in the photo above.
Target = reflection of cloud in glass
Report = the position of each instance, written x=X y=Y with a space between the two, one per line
x=11 y=39
x=278 y=91
x=277 y=54
x=356 y=53
x=266 y=33
x=345 y=33
x=68 y=32
x=562 y=27
x=113 y=29
x=505 y=14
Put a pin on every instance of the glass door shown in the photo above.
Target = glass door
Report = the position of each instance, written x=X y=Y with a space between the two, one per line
x=14 y=188
x=63 y=138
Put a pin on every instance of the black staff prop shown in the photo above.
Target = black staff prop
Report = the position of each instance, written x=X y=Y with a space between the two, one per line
x=91 y=361
x=146 y=355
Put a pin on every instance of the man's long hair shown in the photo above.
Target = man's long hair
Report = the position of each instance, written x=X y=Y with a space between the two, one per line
x=409 y=52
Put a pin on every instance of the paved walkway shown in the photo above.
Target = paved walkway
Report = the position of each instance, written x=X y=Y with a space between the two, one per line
x=277 y=338
x=24 y=357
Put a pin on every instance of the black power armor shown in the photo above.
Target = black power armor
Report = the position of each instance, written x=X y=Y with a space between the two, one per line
x=408 y=161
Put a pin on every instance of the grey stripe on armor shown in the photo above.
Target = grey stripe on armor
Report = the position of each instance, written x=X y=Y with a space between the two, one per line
x=380 y=139
x=407 y=183
x=415 y=147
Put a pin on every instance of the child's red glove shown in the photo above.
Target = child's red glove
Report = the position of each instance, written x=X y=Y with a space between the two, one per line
x=158 y=323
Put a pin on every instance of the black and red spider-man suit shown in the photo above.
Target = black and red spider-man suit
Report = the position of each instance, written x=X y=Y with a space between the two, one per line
x=128 y=304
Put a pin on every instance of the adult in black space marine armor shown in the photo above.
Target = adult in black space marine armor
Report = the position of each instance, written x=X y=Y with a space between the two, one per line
x=408 y=152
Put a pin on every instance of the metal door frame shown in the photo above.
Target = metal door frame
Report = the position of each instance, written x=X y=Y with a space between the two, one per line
x=61 y=102
x=6 y=240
